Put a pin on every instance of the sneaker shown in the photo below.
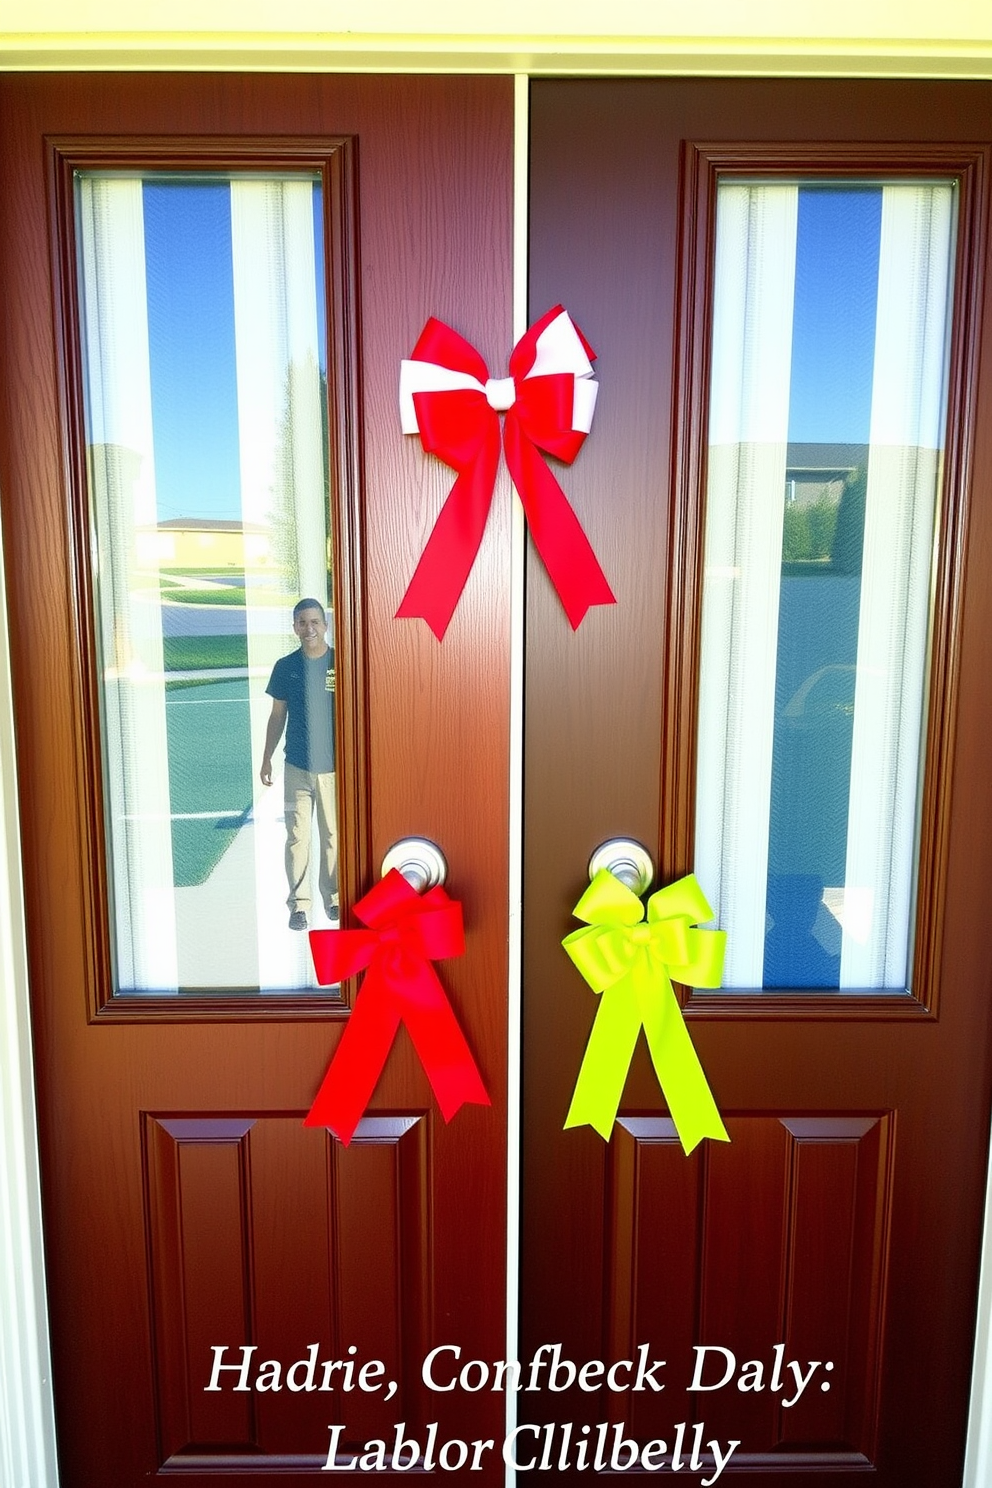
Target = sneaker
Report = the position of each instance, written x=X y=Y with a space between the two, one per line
x=334 y=914
x=297 y=920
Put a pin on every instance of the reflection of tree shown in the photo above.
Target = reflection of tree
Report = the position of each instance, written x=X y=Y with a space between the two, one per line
x=828 y=532
x=305 y=385
x=849 y=537
x=808 y=530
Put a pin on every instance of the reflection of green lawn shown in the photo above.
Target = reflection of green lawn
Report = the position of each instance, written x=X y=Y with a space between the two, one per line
x=192 y=653
x=227 y=595
x=210 y=778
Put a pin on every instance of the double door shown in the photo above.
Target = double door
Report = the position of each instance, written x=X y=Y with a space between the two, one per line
x=773 y=701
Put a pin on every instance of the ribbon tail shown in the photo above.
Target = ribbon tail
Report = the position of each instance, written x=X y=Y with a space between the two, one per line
x=603 y=1072
x=447 y=559
x=679 y=1071
x=557 y=533
x=358 y=1060
x=440 y=1044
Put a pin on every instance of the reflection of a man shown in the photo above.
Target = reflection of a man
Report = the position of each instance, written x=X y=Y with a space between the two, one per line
x=302 y=692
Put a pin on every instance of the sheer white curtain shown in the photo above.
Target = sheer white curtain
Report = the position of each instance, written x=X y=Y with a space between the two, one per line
x=281 y=441
x=907 y=415
x=122 y=476
x=749 y=422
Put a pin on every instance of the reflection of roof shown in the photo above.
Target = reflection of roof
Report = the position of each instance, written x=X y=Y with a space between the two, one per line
x=839 y=458
x=206 y=524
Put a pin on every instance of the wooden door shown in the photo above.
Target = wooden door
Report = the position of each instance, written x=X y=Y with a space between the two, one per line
x=186 y=1207
x=842 y=1222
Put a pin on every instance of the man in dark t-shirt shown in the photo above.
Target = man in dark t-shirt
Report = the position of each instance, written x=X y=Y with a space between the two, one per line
x=302 y=691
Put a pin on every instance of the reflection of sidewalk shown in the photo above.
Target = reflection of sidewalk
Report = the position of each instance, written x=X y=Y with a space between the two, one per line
x=232 y=929
x=210 y=674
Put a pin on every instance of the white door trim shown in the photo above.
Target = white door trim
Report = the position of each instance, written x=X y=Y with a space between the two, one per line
x=27 y=1418
x=978 y=1456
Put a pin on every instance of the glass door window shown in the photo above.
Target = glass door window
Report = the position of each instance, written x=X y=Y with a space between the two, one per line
x=205 y=388
x=827 y=401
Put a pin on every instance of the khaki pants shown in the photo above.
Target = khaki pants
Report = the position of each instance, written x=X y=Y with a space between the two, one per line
x=305 y=793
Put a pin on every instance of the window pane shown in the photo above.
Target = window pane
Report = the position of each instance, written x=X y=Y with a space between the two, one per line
x=205 y=383
x=827 y=396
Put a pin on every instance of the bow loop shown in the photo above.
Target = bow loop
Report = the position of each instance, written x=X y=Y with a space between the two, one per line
x=441 y=345
x=448 y=397
x=386 y=903
x=458 y=428
x=602 y=953
x=698 y=959
x=341 y=953
x=684 y=897
x=553 y=343
x=544 y=409
x=438 y=933
x=607 y=901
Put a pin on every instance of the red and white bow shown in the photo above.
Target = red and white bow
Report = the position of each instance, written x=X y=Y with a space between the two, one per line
x=448 y=397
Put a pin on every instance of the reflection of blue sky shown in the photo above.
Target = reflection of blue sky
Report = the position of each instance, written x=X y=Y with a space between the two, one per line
x=833 y=350
x=191 y=345
x=833 y=332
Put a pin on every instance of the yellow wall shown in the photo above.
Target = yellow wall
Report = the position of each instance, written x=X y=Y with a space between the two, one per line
x=180 y=548
x=920 y=37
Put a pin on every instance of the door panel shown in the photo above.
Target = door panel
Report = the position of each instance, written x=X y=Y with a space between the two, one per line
x=185 y=1205
x=682 y=1267
x=842 y=1222
x=256 y=1232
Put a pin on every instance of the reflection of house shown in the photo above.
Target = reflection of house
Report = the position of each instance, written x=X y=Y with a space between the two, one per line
x=197 y=542
x=817 y=471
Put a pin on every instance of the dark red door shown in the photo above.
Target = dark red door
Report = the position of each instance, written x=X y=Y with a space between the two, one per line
x=186 y=1207
x=686 y=224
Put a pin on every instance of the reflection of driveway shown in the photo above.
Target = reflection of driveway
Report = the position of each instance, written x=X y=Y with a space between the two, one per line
x=231 y=929
x=212 y=620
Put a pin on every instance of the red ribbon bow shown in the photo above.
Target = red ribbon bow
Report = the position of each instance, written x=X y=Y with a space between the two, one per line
x=406 y=932
x=448 y=397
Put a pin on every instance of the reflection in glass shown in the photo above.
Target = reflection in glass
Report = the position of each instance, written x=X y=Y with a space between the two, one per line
x=205 y=385
x=826 y=424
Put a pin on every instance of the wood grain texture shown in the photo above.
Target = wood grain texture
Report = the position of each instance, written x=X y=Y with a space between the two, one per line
x=610 y=741
x=799 y=1270
x=431 y=217
x=266 y=1235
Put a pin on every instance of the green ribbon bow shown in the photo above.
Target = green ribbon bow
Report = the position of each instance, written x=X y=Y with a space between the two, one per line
x=633 y=961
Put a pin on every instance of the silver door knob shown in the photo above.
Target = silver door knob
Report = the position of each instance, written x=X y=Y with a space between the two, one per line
x=626 y=860
x=421 y=863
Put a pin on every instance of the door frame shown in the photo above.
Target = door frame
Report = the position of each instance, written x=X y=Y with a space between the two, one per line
x=27 y=1433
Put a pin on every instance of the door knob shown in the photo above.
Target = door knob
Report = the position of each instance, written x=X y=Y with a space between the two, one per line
x=421 y=863
x=626 y=860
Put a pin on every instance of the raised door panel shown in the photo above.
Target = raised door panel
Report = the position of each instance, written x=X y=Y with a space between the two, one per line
x=796 y=1278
